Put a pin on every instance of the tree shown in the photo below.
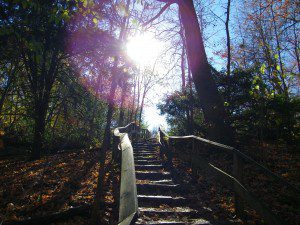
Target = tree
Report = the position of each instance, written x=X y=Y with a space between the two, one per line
x=211 y=102
x=40 y=38
x=228 y=37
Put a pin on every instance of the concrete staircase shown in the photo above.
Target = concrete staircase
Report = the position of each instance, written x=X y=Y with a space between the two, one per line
x=161 y=200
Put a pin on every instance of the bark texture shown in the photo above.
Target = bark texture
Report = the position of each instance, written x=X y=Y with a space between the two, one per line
x=211 y=101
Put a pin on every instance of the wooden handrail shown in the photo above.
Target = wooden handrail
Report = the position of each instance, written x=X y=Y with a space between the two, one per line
x=245 y=157
x=228 y=180
x=128 y=205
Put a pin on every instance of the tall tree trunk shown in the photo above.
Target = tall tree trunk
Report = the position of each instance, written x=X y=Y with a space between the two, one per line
x=275 y=82
x=182 y=58
x=5 y=91
x=211 y=102
x=133 y=100
x=183 y=69
x=99 y=197
x=142 y=106
x=228 y=38
x=121 y=116
x=192 y=102
x=183 y=81
x=39 y=127
x=183 y=87
x=285 y=89
x=138 y=96
x=296 y=47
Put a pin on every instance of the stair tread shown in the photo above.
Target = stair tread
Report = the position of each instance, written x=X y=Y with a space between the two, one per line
x=149 y=165
x=168 y=209
x=160 y=197
x=147 y=181
x=139 y=161
x=152 y=172
x=174 y=221
x=156 y=185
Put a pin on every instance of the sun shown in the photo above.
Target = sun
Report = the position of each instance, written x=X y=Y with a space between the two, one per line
x=144 y=49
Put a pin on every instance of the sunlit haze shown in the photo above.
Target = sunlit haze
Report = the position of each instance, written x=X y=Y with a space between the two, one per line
x=144 y=49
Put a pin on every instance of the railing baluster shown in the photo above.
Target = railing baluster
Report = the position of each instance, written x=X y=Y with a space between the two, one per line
x=194 y=156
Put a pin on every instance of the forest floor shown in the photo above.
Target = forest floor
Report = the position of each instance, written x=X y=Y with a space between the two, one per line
x=63 y=181
x=56 y=183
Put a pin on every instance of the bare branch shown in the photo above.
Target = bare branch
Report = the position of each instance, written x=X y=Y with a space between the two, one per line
x=166 y=6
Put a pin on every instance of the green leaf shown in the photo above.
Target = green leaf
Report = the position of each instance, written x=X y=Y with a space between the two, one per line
x=278 y=67
x=256 y=87
x=226 y=104
x=65 y=14
x=263 y=68
x=95 y=21
x=276 y=56
x=85 y=3
x=255 y=79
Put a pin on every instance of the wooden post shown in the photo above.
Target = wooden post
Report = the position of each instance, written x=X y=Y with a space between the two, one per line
x=193 y=156
x=169 y=154
x=238 y=174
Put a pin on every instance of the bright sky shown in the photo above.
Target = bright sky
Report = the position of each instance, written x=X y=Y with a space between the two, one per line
x=144 y=49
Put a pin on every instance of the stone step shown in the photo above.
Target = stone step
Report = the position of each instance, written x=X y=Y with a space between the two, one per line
x=149 y=175
x=141 y=221
x=145 y=157
x=167 y=212
x=146 y=162
x=155 y=186
x=142 y=150
x=164 y=181
x=144 y=153
x=160 y=222
x=143 y=146
x=149 y=167
x=146 y=146
x=157 y=192
x=140 y=145
x=158 y=200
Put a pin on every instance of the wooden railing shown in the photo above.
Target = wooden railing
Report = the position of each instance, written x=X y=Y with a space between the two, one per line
x=128 y=205
x=138 y=133
x=144 y=134
x=233 y=181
